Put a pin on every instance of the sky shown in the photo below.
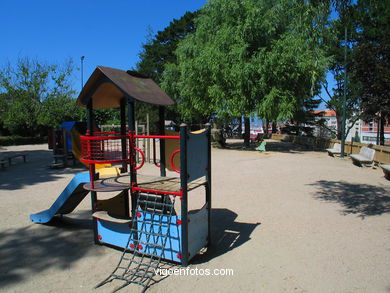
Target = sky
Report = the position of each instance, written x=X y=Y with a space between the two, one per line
x=107 y=33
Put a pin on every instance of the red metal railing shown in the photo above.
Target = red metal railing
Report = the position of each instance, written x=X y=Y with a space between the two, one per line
x=104 y=147
x=154 y=137
x=112 y=147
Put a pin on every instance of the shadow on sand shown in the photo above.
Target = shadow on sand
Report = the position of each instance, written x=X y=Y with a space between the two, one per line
x=361 y=199
x=34 y=171
x=226 y=235
x=31 y=250
x=271 y=146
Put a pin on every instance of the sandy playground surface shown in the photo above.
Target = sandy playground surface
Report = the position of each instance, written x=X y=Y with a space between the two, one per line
x=288 y=220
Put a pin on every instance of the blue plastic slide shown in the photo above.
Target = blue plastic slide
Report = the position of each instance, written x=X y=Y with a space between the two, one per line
x=68 y=200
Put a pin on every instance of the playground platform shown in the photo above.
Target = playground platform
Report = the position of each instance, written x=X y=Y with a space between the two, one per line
x=286 y=220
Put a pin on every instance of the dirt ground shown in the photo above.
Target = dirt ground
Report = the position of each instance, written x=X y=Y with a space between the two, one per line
x=287 y=220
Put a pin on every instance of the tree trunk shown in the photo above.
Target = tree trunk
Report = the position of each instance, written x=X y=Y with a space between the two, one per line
x=239 y=127
x=339 y=127
x=247 y=125
x=378 y=131
x=273 y=127
x=382 y=131
x=267 y=126
x=264 y=125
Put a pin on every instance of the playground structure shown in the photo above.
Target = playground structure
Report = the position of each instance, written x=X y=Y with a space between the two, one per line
x=66 y=145
x=145 y=218
x=140 y=128
x=60 y=141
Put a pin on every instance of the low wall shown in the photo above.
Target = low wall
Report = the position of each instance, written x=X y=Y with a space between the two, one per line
x=382 y=153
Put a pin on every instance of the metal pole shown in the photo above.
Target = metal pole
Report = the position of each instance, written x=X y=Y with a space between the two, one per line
x=161 y=114
x=344 y=97
x=133 y=176
x=90 y=122
x=82 y=71
x=184 y=199
x=123 y=133
x=148 y=141
x=208 y=184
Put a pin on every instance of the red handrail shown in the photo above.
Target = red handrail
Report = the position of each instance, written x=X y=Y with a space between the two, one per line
x=143 y=158
x=171 y=160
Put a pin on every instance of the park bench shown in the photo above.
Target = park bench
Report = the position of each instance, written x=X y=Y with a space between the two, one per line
x=336 y=150
x=9 y=159
x=365 y=157
x=386 y=170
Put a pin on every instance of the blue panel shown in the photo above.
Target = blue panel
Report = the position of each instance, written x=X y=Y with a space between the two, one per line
x=118 y=235
x=68 y=125
x=113 y=233
x=172 y=245
x=68 y=199
x=197 y=153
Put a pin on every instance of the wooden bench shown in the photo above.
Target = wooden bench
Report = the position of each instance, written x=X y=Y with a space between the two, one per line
x=386 y=170
x=16 y=156
x=365 y=157
x=336 y=150
x=10 y=157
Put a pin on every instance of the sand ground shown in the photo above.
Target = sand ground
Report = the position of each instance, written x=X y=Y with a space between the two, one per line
x=288 y=220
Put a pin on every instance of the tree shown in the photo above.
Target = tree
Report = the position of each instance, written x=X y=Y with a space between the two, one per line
x=294 y=66
x=371 y=60
x=28 y=91
x=234 y=64
x=336 y=47
x=158 y=51
x=55 y=110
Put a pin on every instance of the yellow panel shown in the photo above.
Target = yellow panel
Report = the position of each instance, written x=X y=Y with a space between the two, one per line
x=108 y=172
x=107 y=96
x=76 y=149
x=172 y=145
x=115 y=206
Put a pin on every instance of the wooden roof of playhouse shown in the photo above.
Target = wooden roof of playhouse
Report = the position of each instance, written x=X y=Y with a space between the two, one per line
x=108 y=86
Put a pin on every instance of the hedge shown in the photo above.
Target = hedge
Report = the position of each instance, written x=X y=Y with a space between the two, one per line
x=21 y=140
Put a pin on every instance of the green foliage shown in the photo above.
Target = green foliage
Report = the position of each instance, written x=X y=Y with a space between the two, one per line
x=159 y=49
x=106 y=116
x=371 y=57
x=58 y=109
x=156 y=53
x=35 y=96
x=21 y=140
x=142 y=110
x=249 y=55
x=336 y=46
x=368 y=61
